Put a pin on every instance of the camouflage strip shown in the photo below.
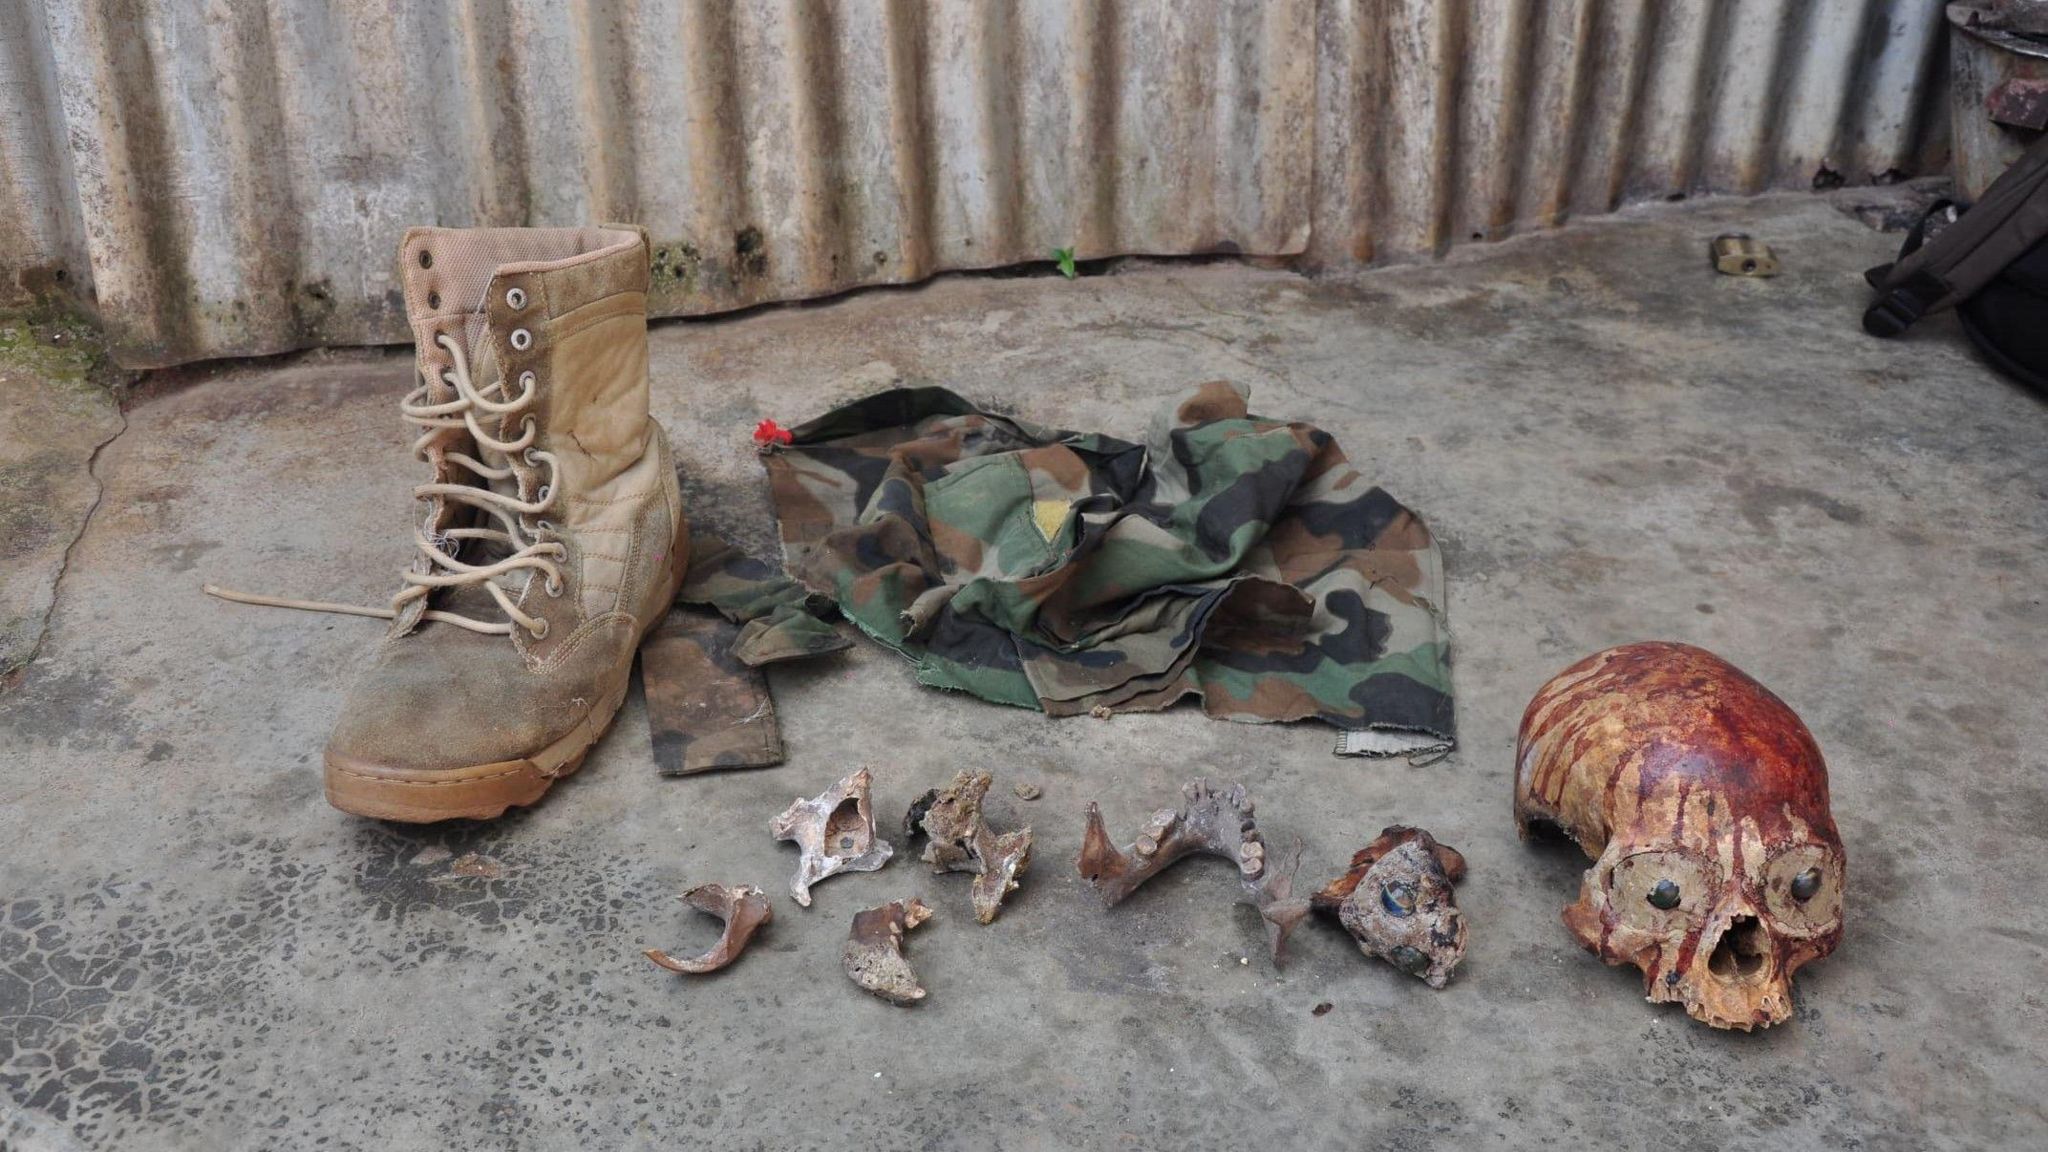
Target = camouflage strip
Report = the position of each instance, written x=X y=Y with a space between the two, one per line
x=708 y=704
x=705 y=709
x=1238 y=559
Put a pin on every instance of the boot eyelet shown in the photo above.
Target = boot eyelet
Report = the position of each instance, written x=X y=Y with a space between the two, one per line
x=426 y=258
x=528 y=457
x=521 y=339
x=546 y=491
x=527 y=382
x=540 y=633
x=515 y=298
x=433 y=299
x=553 y=588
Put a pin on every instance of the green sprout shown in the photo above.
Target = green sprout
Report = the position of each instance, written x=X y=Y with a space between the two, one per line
x=1065 y=258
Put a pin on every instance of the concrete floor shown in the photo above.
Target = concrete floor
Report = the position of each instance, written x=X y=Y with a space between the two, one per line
x=1611 y=443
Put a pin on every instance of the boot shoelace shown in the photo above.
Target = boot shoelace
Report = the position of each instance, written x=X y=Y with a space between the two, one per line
x=444 y=569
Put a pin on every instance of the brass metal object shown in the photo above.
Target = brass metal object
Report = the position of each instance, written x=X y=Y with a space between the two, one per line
x=1738 y=254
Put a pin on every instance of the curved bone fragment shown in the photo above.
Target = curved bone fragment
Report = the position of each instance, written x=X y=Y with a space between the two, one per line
x=961 y=841
x=874 y=950
x=1397 y=902
x=742 y=909
x=1215 y=821
x=834 y=832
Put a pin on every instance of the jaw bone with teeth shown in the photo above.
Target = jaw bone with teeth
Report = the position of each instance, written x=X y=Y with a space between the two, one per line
x=1704 y=802
x=1212 y=821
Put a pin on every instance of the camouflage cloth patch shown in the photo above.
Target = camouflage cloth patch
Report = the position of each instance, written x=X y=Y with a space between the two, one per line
x=779 y=620
x=705 y=709
x=707 y=700
x=1240 y=559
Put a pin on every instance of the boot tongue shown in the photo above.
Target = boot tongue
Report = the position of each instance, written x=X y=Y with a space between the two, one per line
x=473 y=600
x=484 y=373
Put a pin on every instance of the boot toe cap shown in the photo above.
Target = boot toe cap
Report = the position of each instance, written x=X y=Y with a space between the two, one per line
x=422 y=707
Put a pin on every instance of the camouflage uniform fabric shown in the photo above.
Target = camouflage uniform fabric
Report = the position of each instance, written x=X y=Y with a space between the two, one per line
x=708 y=705
x=1237 y=558
x=778 y=619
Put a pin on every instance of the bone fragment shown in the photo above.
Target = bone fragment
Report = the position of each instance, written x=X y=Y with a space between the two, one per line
x=962 y=841
x=742 y=909
x=1396 y=901
x=874 y=950
x=834 y=832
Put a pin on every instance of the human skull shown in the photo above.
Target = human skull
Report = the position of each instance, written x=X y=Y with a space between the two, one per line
x=1704 y=802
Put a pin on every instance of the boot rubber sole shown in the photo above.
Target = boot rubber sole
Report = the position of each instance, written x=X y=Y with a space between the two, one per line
x=485 y=791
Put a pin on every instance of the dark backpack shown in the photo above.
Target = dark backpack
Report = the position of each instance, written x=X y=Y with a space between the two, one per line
x=1990 y=265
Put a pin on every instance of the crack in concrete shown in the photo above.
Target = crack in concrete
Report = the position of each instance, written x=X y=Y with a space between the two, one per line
x=9 y=678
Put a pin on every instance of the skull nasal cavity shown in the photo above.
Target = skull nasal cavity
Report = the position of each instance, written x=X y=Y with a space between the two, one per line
x=1741 y=949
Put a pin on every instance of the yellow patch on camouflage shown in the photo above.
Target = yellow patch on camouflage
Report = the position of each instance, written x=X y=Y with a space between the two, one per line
x=1049 y=515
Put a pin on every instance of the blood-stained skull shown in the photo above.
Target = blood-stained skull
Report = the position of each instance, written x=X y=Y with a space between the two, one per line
x=1704 y=802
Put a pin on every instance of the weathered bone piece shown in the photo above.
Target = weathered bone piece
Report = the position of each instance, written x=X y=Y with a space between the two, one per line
x=1397 y=902
x=1216 y=821
x=961 y=841
x=834 y=832
x=1704 y=802
x=743 y=910
x=874 y=950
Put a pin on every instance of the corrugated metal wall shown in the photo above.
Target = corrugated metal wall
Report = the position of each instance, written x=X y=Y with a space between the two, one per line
x=232 y=176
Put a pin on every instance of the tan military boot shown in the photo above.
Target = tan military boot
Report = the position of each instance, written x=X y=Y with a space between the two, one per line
x=551 y=538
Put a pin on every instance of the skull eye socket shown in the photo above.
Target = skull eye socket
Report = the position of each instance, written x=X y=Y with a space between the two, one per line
x=1805 y=885
x=1803 y=890
x=1398 y=899
x=1661 y=890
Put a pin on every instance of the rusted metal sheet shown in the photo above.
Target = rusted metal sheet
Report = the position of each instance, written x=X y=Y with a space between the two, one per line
x=42 y=239
x=1998 y=68
x=2020 y=102
x=233 y=177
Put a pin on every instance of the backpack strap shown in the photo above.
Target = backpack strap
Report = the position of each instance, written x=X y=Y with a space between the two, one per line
x=2010 y=218
x=1899 y=305
x=1904 y=303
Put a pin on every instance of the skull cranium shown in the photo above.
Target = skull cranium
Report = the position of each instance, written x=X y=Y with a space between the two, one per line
x=1704 y=802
